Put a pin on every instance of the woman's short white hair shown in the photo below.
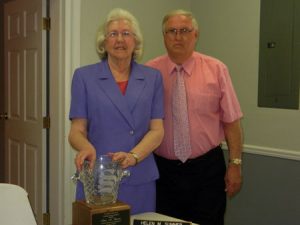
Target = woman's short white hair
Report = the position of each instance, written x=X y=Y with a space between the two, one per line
x=180 y=12
x=114 y=15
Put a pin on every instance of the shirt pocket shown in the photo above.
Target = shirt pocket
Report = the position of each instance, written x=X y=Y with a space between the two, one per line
x=203 y=103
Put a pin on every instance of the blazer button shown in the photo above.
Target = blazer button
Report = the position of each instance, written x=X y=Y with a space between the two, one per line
x=131 y=132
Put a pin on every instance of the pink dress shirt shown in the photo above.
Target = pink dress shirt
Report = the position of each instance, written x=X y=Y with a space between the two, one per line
x=211 y=101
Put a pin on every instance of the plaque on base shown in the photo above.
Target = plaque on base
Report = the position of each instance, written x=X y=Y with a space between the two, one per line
x=89 y=214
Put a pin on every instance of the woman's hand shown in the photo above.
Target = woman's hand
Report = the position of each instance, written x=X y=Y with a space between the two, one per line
x=86 y=154
x=78 y=140
x=124 y=158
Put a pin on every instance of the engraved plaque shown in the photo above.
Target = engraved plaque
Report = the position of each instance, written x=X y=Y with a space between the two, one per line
x=89 y=214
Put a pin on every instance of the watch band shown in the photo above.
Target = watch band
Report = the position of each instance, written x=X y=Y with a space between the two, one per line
x=235 y=161
x=135 y=156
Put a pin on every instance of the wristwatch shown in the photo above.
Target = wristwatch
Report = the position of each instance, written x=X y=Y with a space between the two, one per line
x=135 y=156
x=235 y=161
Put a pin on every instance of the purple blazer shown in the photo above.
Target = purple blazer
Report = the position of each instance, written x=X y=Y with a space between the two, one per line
x=118 y=122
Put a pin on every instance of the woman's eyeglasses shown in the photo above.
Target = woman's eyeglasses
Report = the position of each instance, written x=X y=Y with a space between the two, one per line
x=124 y=34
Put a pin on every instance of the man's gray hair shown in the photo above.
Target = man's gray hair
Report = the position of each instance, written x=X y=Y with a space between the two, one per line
x=180 y=12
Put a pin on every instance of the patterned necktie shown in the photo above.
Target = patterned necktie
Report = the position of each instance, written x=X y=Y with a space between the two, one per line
x=181 y=134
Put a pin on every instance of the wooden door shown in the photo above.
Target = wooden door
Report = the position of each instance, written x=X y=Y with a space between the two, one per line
x=25 y=99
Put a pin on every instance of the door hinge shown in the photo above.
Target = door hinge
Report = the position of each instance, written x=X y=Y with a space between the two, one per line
x=46 y=23
x=46 y=219
x=3 y=116
x=46 y=122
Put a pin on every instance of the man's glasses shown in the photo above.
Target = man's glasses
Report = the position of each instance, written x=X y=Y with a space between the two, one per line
x=124 y=34
x=182 y=31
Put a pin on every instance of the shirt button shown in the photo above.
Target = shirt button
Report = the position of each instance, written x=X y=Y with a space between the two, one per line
x=131 y=132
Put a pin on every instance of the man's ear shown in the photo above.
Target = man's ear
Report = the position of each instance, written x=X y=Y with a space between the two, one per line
x=197 y=34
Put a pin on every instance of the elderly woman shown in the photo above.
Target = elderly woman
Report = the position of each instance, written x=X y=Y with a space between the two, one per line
x=117 y=110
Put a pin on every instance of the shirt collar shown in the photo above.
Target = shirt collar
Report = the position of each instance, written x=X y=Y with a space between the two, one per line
x=187 y=65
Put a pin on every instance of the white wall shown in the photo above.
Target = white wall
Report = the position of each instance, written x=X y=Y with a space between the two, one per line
x=230 y=31
x=148 y=13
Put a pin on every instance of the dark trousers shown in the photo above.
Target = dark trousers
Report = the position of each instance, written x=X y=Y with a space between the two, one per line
x=193 y=191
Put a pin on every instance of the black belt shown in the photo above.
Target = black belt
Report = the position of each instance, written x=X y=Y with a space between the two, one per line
x=189 y=161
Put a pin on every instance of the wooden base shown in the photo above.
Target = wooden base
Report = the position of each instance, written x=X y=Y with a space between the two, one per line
x=88 y=214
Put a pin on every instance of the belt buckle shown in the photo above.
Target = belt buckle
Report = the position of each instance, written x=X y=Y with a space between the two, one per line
x=179 y=163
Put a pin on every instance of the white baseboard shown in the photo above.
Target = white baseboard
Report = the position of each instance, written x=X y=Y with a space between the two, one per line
x=272 y=152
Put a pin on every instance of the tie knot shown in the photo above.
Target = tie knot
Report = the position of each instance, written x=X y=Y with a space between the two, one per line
x=179 y=68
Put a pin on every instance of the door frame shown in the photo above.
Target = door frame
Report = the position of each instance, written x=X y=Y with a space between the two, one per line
x=64 y=58
x=2 y=94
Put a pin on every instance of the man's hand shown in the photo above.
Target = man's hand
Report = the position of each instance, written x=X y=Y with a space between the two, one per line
x=233 y=179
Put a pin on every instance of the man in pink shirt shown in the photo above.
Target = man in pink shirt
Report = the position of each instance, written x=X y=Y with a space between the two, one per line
x=195 y=189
